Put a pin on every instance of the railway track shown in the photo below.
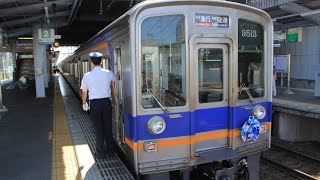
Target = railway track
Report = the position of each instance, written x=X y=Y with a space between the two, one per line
x=294 y=163
x=293 y=172
x=310 y=158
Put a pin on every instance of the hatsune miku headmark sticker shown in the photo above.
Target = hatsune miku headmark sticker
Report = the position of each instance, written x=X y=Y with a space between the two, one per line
x=250 y=130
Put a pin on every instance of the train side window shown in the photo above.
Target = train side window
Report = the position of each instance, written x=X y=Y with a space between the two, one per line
x=71 y=68
x=118 y=70
x=210 y=74
x=75 y=64
x=84 y=67
x=163 y=61
x=104 y=63
x=80 y=69
x=87 y=66
x=250 y=59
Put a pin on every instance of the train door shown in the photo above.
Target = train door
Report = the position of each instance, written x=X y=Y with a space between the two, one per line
x=210 y=119
x=118 y=121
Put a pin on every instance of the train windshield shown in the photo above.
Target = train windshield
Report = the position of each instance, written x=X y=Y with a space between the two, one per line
x=250 y=60
x=163 y=63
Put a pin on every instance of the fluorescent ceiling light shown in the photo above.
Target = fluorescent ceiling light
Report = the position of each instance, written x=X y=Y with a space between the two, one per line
x=25 y=38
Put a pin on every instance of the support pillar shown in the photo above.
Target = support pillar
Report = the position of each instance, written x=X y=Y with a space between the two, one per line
x=49 y=72
x=39 y=54
x=45 y=67
x=14 y=60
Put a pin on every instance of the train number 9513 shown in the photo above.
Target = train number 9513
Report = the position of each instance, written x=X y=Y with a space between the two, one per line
x=249 y=33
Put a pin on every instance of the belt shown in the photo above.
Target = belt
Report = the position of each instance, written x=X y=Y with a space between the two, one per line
x=99 y=99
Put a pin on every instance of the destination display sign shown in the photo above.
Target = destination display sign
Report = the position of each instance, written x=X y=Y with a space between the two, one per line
x=208 y=20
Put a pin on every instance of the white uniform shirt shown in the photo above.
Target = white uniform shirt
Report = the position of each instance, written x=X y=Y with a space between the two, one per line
x=98 y=82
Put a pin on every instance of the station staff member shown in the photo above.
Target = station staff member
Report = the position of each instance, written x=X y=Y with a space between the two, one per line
x=98 y=83
x=274 y=75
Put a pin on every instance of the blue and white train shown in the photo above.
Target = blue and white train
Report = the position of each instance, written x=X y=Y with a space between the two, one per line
x=194 y=86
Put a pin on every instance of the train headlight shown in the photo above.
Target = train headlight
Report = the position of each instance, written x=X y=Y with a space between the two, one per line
x=156 y=125
x=259 y=112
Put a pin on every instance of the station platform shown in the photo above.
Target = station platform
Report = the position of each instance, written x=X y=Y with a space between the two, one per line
x=301 y=100
x=296 y=117
x=25 y=145
x=51 y=138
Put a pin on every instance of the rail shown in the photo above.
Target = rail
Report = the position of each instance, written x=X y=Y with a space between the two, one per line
x=293 y=172
x=305 y=156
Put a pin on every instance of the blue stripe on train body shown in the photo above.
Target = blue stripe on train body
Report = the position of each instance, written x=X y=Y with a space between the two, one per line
x=191 y=123
x=111 y=53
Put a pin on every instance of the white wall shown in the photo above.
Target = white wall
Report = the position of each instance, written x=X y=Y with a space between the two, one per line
x=305 y=55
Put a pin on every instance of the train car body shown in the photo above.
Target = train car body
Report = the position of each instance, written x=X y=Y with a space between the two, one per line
x=194 y=83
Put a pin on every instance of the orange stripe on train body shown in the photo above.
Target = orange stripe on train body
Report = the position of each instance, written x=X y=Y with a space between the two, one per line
x=132 y=145
x=97 y=48
x=268 y=126
x=191 y=141
x=208 y=136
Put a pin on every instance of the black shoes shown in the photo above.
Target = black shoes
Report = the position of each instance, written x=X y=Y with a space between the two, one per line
x=112 y=153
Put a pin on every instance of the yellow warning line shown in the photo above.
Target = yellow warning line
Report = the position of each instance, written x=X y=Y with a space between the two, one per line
x=64 y=159
x=50 y=136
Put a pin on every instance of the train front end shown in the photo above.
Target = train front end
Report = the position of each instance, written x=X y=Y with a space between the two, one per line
x=203 y=86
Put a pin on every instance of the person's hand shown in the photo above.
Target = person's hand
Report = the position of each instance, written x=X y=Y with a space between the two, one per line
x=85 y=107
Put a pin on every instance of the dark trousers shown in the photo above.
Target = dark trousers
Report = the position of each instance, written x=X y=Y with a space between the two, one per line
x=101 y=115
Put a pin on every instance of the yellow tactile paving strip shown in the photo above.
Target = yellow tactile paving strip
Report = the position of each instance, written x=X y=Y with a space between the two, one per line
x=64 y=159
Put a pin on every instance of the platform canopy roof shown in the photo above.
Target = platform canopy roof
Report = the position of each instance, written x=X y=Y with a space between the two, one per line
x=75 y=20
x=78 y=20
x=290 y=13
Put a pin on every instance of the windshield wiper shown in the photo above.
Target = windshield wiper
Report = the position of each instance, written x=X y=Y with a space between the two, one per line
x=243 y=87
x=160 y=103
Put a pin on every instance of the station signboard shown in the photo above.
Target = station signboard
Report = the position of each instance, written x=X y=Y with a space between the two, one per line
x=294 y=35
x=57 y=36
x=279 y=36
x=46 y=36
x=281 y=63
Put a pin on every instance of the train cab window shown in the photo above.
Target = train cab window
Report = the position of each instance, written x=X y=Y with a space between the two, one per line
x=163 y=61
x=210 y=74
x=250 y=60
